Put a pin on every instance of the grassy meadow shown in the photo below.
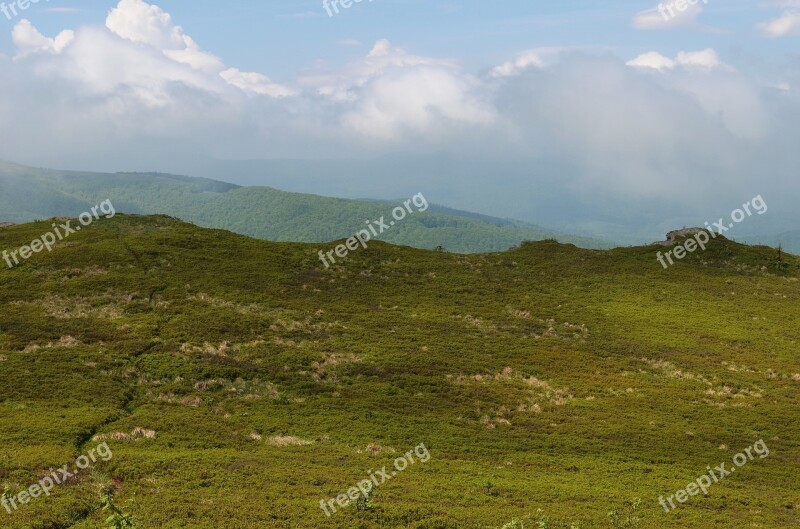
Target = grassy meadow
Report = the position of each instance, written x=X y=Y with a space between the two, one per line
x=239 y=383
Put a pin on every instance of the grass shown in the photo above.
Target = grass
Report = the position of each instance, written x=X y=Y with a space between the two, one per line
x=573 y=381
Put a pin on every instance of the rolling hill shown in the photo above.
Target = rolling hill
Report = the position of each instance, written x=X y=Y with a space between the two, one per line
x=27 y=194
x=240 y=384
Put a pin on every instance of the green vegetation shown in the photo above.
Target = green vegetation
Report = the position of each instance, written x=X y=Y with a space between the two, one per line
x=238 y=382
x=117 y=519
x=27 y=194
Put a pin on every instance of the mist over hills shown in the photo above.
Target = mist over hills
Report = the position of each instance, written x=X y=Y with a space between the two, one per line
x=544 y=191
x=266 y=213
x=304 y=200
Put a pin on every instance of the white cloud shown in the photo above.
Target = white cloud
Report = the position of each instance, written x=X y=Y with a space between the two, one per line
x=418 y=100
x=194 y=57
x=29 y=40
x=726 y=97
x=537 y=58
x=706 y=59
x=124 y=58
x=141 y=22
x=391 y=95
x=255 y=83
x=646 y=135
x=100 y=64
x=787 y=24
x=522 y=62
x=653 y=60
x=342 y=84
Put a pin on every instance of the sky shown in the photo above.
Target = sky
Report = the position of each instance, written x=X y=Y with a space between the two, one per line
x=644 y=100
x=281 y=38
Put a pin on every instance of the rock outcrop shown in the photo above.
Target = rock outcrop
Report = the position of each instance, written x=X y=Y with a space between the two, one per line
x=673 y=236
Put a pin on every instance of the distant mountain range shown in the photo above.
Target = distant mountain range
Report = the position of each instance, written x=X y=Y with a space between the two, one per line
x=28 y=193
x=544 y=191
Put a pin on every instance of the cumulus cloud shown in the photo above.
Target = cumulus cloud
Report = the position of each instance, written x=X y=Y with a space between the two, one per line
x=653 y=60
x=149 y=25
x=341 y=84
x=518 y=65
x=99 y=64
x=634 y=134
x=787 y=24
x=138 y=21
x=735 y=102
x=255 y=83
x=418 y=100
x=29 y=40
x=537 y=58
x=139 y=56
x=705 y=59
x=390 y=94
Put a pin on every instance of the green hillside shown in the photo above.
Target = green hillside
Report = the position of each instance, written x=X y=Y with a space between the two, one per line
x=239 y=383
x=28 y=194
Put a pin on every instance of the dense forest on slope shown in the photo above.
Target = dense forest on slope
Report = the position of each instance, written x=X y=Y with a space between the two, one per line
x=27 y=194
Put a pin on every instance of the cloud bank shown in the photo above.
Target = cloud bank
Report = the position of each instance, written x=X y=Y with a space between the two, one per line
x=140 y=90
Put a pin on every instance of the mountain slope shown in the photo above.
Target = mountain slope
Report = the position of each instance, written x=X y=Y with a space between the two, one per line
x=27 y=194
x=547 y=377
